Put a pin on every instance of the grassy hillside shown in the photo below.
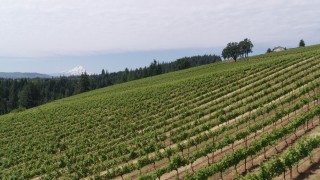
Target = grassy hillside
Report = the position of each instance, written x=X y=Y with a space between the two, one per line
x=233 y=114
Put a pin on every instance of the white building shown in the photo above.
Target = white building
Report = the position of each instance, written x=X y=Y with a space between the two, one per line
x=279 y=48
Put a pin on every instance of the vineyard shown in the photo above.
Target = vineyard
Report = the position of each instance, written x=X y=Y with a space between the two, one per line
x=254 y=119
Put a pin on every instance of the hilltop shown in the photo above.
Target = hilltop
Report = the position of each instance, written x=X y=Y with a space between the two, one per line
x=207 y=121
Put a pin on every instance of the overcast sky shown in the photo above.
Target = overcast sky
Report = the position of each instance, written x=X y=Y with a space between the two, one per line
x=50 y=36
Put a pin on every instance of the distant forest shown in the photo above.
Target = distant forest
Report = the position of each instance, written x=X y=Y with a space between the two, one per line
x=20 y=94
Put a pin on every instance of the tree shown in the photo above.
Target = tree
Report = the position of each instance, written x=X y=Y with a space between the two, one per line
x=3 y=105
x=269 y=50
x=231 y=51
x=242 y=47
x=29 y=96
x=234 y=49
x=248 y=47
x=301 y=43
x=155 y=68
x=13 y=96
x=103 y=73
x=245 y=47
x=183 y=64
x=84 y=83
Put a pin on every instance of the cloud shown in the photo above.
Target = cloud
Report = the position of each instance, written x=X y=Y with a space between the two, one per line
x=46 y=27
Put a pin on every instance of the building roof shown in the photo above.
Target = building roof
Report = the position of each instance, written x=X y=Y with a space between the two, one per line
x=279 y=48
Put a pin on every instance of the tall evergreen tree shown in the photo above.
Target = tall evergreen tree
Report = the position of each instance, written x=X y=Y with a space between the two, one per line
x=29 y=96
x=84 y=84
x=183 y=64
x=3 y=104
x=301 y=43
x=269 y=50
x=13 y=96
x=103 y=72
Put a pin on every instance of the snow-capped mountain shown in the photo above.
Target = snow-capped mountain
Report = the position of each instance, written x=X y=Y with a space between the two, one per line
x=76 y=71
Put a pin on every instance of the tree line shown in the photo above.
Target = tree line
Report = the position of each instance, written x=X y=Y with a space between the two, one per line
x=20 y=94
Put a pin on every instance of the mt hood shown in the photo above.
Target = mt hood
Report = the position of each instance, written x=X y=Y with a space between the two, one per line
x=77 y=71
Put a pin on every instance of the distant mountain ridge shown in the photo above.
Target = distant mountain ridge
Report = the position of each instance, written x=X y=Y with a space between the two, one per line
x=76 y=71
x=18 y=75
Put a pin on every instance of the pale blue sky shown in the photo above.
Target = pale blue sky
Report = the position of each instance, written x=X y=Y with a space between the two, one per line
x=95 y=63
x=50 y=36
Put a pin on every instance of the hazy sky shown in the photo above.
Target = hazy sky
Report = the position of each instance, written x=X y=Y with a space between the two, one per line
x=55 y=35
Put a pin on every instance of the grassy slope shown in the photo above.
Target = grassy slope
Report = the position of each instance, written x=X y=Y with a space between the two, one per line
x=80 y=121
